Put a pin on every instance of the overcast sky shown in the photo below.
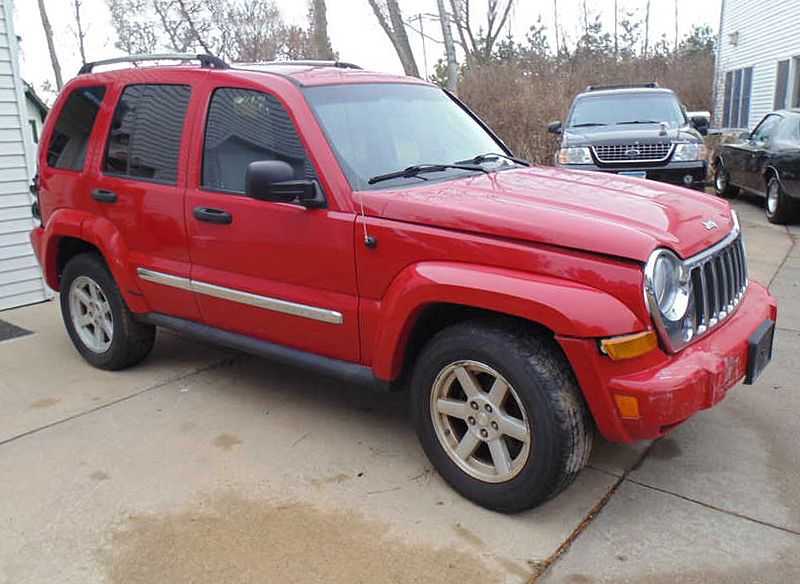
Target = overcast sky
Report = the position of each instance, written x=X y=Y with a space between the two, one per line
x=353 y=29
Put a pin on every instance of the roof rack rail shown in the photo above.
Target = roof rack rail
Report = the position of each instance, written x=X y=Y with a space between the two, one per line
x=311 y=63
x=648 y=85
x=209 y=61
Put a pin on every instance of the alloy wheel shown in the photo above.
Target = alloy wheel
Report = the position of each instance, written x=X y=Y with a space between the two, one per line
x=480 y=421
x=91 y=315
x=721 y=180
x=773 y=197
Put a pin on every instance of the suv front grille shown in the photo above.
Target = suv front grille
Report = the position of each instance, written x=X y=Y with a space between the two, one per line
x=719 y=281
x=621 y=153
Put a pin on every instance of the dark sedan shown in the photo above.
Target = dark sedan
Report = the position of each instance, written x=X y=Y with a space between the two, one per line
x=765 y=162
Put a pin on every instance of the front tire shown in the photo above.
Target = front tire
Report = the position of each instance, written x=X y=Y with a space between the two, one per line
x=722 y=185
x=779 y=208
x=97 y=319
x=499 y=413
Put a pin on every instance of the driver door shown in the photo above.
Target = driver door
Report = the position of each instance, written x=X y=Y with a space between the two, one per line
x=755 y=152
x=275 y=271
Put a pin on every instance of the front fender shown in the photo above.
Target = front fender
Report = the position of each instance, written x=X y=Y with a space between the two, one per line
x=568 y=308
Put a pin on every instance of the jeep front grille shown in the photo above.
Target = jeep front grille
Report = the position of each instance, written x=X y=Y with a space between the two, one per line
x=719 y=281
x=621 y=153
x=710 y=285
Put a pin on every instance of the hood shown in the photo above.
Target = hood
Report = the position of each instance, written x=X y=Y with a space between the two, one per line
x=626 y=134
x=590 y=211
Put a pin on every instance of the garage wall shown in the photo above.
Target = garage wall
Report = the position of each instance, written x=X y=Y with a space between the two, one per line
x=20 y=278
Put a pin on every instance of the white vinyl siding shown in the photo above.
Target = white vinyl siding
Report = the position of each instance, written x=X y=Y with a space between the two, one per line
x=766 y=32
x=20 y=278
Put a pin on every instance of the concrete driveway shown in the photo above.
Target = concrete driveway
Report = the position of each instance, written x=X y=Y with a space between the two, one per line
x=203 y=465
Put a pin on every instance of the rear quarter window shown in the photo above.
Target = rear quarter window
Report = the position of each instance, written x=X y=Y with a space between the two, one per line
x=70 y=139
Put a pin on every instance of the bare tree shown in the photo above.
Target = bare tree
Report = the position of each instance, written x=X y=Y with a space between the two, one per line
x=48 y=33
x=318 y=16
x=238 y=30
x=391 y=20
x=616 y=30
x=555 y=26
x=449 y=48
x=676 y=25
x=188 y=14
x=585 y=19
x=79 y=32
x=646 y=29
x=479 y=46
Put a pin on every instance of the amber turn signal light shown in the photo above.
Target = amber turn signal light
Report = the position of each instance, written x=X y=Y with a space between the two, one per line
x=629 y=346
x=628 y=406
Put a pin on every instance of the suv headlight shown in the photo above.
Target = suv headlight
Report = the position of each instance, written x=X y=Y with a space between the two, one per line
x=668 y=291
x=574 y=156
x=689 y=152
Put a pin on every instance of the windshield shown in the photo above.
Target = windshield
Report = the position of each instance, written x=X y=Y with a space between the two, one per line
x=608 y=110
x=380 y=128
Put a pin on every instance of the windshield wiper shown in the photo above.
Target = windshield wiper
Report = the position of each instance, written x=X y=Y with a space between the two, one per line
x=587 y=125
x=637 y=122
x=481 y=158
x=418 y=169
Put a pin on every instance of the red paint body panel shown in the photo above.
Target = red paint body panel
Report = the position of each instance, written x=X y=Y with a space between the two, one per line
x=570 y=307
x=277 y=250
x=559 y=248
x=589 y=211
x=670 y=389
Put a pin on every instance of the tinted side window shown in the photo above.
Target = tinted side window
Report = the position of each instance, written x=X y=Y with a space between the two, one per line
x=145 y=137
x=70 y=139
x=244 y=126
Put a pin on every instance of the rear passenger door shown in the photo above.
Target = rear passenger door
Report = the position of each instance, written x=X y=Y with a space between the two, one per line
x=140 y=188
x=275 y=271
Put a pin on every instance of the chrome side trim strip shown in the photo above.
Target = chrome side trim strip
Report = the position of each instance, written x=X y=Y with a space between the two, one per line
x=265 y=302
x=165 y=279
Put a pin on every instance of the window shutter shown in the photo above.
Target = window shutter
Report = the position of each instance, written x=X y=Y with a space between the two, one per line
x=744 y=110
x=781 y=85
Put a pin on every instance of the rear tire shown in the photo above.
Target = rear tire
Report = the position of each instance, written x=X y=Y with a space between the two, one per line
x=779 y=208
x=505 y=449
x=97 y=319
x=722 y=185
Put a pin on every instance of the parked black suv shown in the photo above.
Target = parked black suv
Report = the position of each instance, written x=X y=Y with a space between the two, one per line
x=636 y=130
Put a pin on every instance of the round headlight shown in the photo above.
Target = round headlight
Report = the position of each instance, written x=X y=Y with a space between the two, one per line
x=668 y=284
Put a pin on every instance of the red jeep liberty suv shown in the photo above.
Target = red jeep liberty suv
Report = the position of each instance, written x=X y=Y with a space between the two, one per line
x=372 y=227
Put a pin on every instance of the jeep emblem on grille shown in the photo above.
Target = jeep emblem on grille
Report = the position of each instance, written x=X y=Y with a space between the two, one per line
x=710 y=224
x=632 y=152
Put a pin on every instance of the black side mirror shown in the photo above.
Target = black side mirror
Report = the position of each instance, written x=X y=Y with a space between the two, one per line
x=273 y=180
x=700 y=124
x=745 y=135
x=554 y=127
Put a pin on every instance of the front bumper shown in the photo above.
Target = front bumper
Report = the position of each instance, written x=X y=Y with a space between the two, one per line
x=672 y=173
x=669 y=389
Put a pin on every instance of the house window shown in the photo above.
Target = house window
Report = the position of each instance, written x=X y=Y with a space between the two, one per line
x=796 y=82
x=781 y=84
x=736 y=106
x=34 y=131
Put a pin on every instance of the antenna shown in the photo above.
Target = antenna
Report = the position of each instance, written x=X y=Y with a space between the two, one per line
x=369 y=241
